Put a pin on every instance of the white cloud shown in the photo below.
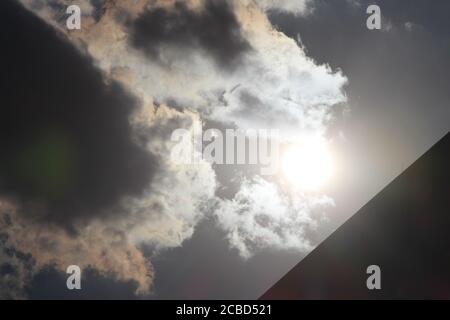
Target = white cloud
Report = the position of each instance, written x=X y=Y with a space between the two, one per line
x=285 y=89
x=290 y=6
x=167 y=214
x=262 y=216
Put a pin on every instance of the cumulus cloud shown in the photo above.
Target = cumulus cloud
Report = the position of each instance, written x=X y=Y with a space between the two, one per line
x=276 y=86
x=280 y=87
x=262 y=216
x=180 y=194
x=157 y=66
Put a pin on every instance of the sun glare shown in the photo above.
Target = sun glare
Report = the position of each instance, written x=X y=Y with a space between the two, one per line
x=308 y=165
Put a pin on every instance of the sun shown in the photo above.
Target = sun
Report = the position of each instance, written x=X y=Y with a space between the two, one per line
x=308 y=164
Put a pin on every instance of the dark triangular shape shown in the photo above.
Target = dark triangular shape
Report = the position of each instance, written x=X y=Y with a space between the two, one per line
x=405 y=230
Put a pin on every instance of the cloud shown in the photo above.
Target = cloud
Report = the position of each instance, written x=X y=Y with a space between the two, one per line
x=13 y=276
x=165 y=34
x=261 y=215
x=67 y=153
x=180 y=194
x=68 y=156
x=291 y=92
x=164 y=216
x=280 y=87
x=100 y=245
x=135 y=72
x=287 y=6
x=15 y=270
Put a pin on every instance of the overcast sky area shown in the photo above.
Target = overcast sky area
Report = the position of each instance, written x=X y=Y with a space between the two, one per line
x=86 y=176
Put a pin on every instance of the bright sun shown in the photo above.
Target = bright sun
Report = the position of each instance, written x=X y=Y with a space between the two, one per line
x=308 y=165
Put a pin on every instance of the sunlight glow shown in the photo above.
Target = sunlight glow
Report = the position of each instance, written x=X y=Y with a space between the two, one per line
x=308 y=165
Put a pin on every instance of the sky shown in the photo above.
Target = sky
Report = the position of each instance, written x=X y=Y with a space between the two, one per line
x=87 y=116
x=395 y=247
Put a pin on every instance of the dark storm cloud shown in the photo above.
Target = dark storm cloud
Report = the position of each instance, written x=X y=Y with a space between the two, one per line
x=66 y=149
x=215 y=30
